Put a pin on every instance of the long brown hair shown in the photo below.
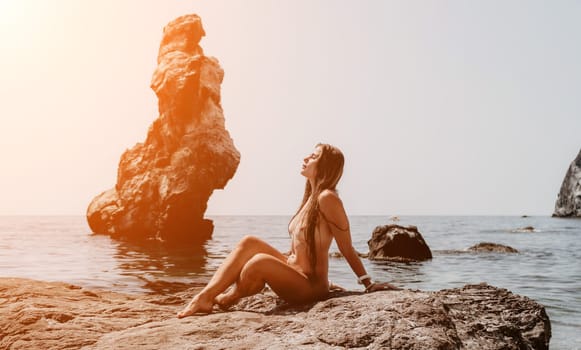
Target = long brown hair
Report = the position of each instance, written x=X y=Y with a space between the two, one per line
x=328 y=173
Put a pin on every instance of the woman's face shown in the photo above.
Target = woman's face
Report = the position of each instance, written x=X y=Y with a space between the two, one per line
x=309 y=168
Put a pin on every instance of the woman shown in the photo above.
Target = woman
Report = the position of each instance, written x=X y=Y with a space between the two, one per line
x=302 y=276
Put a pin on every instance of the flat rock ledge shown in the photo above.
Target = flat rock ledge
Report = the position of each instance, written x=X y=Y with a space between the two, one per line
x=54 y=315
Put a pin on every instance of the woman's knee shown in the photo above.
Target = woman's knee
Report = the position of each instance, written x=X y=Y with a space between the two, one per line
x=252 y=277
x=255 y=265
x=249 y=241
x=253 y=245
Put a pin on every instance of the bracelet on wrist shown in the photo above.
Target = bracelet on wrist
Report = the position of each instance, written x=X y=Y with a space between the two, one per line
x=369 y=287
x=360 y=279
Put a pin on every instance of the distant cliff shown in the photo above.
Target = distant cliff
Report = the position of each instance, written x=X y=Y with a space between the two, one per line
x=569 y=198
x=163 y=184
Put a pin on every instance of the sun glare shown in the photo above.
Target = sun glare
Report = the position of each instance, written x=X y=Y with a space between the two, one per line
x=11 y=11
x=21 y=14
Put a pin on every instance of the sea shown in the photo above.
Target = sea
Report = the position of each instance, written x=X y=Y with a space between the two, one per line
x=547 y=267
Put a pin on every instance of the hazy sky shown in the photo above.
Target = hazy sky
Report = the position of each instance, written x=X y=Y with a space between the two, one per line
x=440 y=107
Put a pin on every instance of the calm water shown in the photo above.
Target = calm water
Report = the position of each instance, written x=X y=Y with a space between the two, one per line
x=546 y=269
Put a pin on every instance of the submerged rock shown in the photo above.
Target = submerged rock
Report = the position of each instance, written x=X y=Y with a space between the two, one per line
x=43 y=315
x=340 y=255
x=523 y=229
x=569 y=198
x=492 y=247
x=163 y=184
x=395 y=242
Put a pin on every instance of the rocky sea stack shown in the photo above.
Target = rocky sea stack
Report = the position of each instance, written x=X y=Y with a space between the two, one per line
x=163 y=184
x=569 y=198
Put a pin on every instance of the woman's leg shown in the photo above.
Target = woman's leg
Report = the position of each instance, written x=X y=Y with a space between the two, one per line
x=284 y=280
x=229 y=272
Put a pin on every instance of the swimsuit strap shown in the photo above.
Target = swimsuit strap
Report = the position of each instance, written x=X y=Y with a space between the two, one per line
x=332 y=223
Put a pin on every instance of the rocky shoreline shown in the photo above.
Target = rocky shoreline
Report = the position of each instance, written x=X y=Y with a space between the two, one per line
x=55 y=315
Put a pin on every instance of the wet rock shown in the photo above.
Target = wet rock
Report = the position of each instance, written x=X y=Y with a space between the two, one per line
x=395 y=242
x=524 y=229
x=492 y=247
x=340 y=255
x=569 y=197
x=43 y=315
x=163 y=184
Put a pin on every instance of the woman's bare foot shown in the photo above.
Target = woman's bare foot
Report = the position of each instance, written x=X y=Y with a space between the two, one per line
x=198 y=305
x=225 y=300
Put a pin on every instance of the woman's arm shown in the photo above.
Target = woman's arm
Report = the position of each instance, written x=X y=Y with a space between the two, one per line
x=333 y=212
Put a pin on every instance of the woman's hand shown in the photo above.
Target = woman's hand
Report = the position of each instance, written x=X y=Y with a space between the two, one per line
x=336 y=288
x=380 y=286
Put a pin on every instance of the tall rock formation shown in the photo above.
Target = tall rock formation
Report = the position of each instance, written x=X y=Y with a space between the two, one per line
x=569 y=198
x=163 y=184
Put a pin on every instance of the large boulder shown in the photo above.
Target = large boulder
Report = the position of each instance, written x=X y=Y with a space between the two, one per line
x=163 y=184
x=395 y=242
x=569 y=198
x=43 y=315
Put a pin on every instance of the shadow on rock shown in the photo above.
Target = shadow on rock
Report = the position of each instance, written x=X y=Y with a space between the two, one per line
x=269 y=303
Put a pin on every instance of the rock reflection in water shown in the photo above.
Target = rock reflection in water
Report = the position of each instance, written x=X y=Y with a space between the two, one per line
x=402 y=274
x=163 y=268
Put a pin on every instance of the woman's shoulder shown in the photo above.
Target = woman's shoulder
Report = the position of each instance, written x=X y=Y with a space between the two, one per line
x=329 y=198
x=331 y=208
